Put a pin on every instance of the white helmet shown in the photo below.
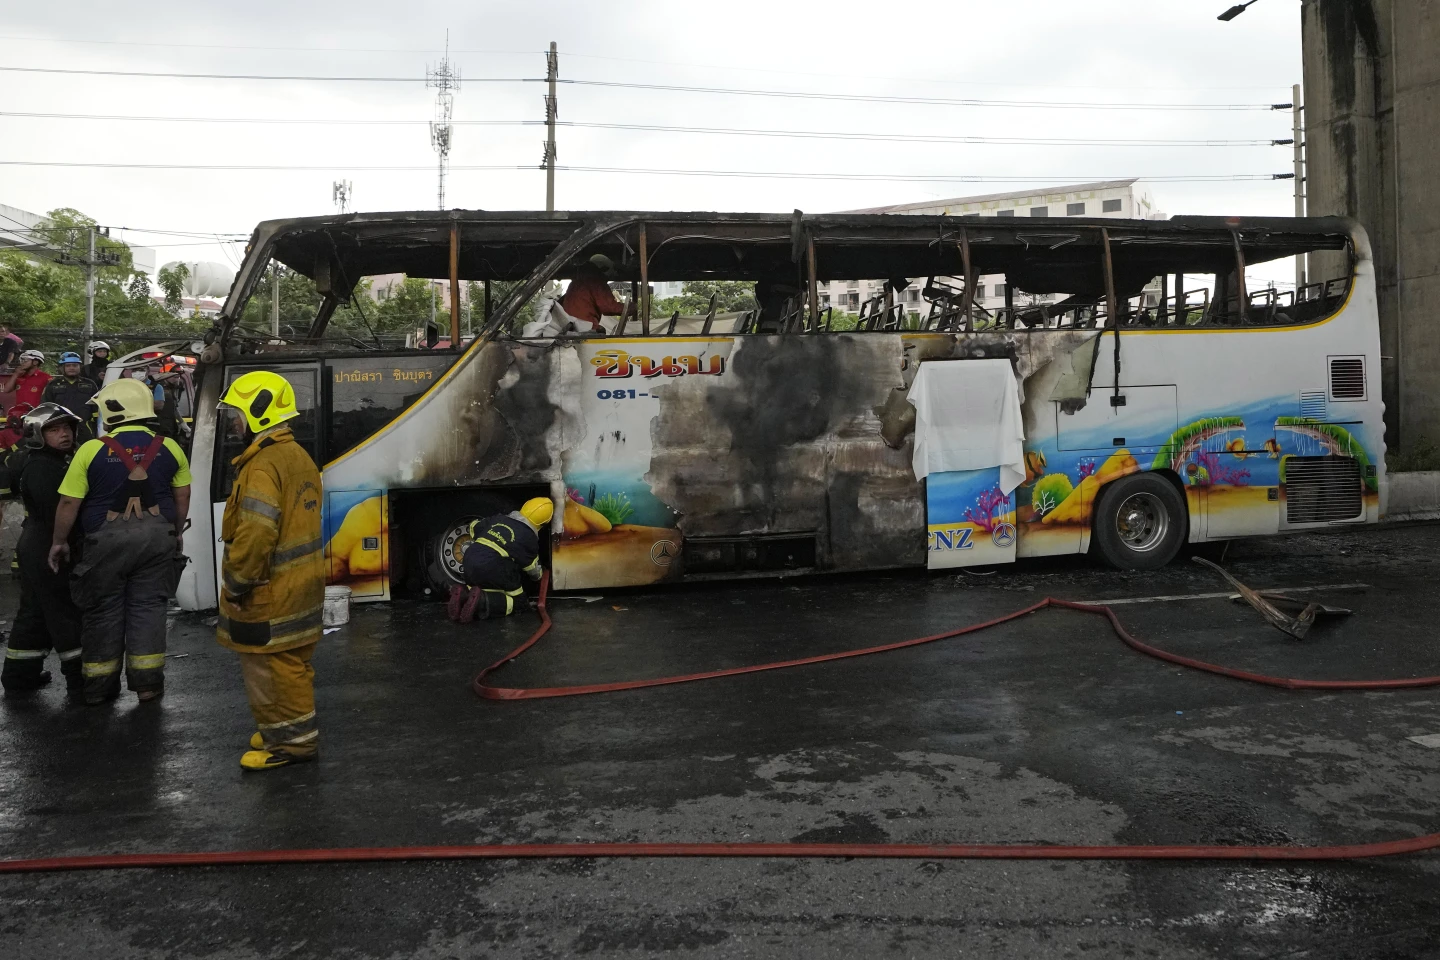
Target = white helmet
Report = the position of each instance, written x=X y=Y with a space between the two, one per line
x=98 y=345
x=35 y=355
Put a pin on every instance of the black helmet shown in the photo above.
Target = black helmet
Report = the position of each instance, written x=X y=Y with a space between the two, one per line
x=33 y=424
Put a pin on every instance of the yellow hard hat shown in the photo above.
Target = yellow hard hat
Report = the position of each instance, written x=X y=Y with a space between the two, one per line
x=538 y=511
x=265 y=398
x=125 y=401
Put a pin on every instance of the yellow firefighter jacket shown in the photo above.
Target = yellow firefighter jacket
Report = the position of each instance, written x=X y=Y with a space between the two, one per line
x=273 y=575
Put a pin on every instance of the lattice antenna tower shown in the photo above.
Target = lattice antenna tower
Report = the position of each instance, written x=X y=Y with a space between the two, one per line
x=341 y=192
x=445 y=78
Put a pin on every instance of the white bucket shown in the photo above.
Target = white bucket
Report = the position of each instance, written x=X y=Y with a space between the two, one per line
x=337 y=606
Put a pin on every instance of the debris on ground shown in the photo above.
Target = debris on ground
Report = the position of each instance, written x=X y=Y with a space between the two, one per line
x=1265 y=602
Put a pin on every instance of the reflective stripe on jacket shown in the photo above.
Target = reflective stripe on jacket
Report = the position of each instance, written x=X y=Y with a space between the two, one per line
x=512 y=538
x=273 y=575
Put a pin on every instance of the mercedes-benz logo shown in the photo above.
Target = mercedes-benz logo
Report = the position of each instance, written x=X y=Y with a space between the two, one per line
x=1003 y=535
x=662 y=554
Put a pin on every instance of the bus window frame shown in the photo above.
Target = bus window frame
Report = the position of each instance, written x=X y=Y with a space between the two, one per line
x=327 y=386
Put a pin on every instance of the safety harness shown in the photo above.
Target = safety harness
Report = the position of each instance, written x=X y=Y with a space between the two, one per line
x=137 y=494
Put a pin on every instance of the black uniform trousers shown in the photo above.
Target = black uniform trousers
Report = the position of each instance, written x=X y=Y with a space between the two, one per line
x=498 y=576
x=47 y=618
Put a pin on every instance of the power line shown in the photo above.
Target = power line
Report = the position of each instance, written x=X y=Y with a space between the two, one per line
x=237 y=46
x=922 y=138
x=204 y=234
x=937 y=101
x=955 y=83
x=675 y=88
x=663 y=128
x=255 y=76
x=729 y=67
x=921 y=178
x=782 y=175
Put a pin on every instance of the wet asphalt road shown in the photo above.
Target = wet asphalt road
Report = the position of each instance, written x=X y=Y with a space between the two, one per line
x=1047 y=730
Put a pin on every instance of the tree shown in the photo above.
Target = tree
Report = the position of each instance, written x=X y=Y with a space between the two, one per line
x=411 y=304
x=172 y=281
x=300 y=302
x=42 y=290
x=694 y=299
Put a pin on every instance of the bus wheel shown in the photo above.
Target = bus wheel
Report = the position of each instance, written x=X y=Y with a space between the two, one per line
x=1139 y=522
x=443 y=550
x=444 y=535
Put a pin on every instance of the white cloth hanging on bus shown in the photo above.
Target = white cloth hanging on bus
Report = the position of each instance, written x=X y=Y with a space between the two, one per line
x=551 y=320
x=967 y=417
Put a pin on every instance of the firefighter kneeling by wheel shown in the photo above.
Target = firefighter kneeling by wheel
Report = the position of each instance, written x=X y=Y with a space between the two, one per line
x=501 y=548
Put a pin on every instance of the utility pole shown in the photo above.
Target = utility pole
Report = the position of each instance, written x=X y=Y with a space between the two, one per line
x=275 y=299
x=90 y=295
x=552 y=110
x=1299 y=135
x=445 y=78
x=90 y=261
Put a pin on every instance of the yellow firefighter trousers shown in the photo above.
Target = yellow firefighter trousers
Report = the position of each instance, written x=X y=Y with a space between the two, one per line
x=281 y=688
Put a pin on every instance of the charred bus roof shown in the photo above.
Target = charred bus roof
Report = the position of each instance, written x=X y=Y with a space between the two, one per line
x=1039 y=255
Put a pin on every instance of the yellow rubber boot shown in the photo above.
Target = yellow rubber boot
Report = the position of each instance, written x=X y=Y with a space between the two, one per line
x=265 y=760
x=257 y=742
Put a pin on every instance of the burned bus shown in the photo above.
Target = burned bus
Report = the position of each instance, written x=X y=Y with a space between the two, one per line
x=771 y=440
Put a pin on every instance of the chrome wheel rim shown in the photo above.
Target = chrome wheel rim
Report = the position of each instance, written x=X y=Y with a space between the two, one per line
x=1142 y=522
x=452 y=549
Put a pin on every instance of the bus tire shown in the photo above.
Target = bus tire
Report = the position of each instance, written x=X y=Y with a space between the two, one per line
x=441 y=533
x=1140 y=522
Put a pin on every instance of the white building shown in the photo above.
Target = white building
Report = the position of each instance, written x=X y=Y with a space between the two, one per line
x=17 y=233
x=191 y=307
x=1118 y=199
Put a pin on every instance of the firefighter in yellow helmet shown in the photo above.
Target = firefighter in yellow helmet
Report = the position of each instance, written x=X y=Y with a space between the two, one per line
x=501 y=549
x=131 y=493
x=272 y=577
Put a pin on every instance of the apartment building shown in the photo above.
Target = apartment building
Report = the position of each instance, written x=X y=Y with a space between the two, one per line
x=1118 y=199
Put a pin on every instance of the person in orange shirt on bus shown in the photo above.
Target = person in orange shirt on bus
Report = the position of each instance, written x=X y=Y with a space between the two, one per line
x=588 y=297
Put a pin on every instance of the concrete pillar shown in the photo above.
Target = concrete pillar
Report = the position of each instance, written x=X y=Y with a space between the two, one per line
x=1372 y=111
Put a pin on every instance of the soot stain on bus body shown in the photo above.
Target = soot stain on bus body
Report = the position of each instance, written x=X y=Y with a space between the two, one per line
x=523 y=402
x=789 y=444
x=484 y=445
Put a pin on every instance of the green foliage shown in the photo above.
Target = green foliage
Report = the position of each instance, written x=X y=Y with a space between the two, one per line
x=694 y=299
x=1049 y=492
x=172 y=281
x=300 y=301
x=412 y=303
x=614 y=507
x=500 y=290
x=43 y=293
x=841 y=321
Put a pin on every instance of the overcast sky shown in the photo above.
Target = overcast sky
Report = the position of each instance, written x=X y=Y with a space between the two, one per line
x=1167 y=52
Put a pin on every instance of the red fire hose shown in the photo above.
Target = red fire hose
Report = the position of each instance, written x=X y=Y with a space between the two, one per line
x=517 y=851
x=540 y=693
